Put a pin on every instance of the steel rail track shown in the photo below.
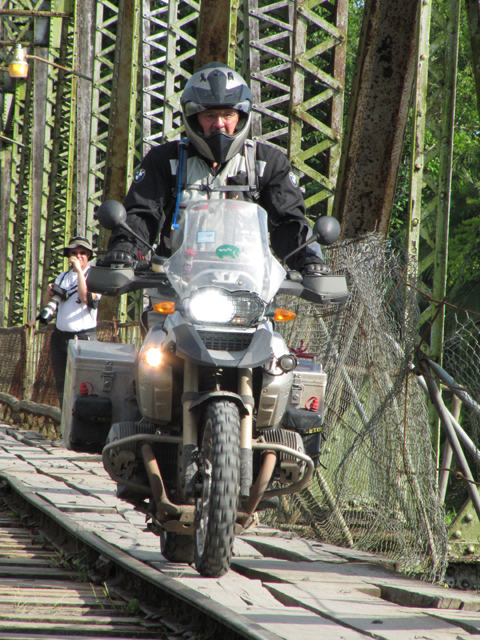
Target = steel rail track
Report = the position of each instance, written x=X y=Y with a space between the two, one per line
x=110 y=565
x=151 y=586
x=44 y=596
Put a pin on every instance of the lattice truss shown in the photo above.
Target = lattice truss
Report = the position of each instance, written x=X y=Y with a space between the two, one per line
x=295 y=56
x=168 y=56
x=375 y=489
x=106 y=21
x=32 y=208
x=61 y=146
x=16 y=109
x=290 y=52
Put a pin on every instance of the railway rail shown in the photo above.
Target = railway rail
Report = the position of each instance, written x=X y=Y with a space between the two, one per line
x=67 y=522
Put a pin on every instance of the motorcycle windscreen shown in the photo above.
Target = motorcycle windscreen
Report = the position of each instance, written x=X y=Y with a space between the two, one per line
x=225 y=245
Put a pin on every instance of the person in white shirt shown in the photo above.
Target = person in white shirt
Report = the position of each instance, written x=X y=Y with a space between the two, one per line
x=77 y=311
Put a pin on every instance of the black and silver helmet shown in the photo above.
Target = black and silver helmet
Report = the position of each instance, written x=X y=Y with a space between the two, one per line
x=216 y=86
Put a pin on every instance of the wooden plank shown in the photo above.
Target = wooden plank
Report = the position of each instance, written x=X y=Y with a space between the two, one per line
x=87 y=629
x=295 y=623
x=275 y=570
x=294 y=549
x=47 y=572
x=468 y=620
x=241 y=549
x=367 y=615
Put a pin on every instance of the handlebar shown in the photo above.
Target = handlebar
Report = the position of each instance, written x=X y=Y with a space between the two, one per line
x=115 y=281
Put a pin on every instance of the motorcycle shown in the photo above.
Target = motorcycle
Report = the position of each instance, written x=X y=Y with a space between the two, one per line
x=231 y=419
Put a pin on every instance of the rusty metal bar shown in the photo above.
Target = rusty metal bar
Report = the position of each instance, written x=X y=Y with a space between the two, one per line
x=418 y=154
x=378 y=114
x=213 y=32
x=121 y=131
x=34 y=14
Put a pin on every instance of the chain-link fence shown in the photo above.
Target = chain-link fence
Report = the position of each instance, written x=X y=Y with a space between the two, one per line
x=376 y=487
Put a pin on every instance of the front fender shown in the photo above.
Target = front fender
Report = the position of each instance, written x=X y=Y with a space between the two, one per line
x=242 y=402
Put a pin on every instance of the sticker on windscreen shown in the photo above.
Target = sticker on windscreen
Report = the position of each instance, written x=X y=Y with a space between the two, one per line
x=205 y=237
x=228 y=251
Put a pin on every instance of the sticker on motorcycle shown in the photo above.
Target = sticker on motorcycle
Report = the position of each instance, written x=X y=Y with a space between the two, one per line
x=204 y=237
x=228 y=250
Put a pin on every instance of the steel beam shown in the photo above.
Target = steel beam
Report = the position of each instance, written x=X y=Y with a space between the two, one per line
x=38 y=157
x=121 y=133
x=83 y=61
x=377 y=118
x=213 y=32
x=445 y=177
x=121 y=130
x=418 y=138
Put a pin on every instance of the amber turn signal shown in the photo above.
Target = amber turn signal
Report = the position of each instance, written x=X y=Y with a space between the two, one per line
x=284 y=315
x=168 y=306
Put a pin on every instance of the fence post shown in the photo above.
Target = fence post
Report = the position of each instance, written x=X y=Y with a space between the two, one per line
x=29 y=378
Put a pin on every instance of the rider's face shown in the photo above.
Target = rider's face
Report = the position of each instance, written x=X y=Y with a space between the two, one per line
x=215 y=120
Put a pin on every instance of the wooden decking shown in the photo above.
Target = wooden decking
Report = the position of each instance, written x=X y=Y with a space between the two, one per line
x=279 y=586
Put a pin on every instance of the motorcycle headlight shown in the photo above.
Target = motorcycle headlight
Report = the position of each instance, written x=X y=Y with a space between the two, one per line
x=217 y=306
x=153 y=357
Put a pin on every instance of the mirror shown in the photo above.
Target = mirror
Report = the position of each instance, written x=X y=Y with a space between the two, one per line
x=326 y=230
x=111 y=214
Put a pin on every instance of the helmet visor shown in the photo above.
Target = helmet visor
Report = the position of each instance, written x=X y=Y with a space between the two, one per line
x=192 y=108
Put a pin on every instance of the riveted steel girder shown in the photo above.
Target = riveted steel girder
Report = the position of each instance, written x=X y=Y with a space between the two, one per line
x=214 y=32
x=378 y=114
x=121 y=134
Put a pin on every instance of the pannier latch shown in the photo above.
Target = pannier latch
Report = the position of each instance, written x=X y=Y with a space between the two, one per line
x=107 y=376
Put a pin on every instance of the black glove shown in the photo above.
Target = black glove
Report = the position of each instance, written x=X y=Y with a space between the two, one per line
x=316 y=268
x=122 y=254
x=310 y=264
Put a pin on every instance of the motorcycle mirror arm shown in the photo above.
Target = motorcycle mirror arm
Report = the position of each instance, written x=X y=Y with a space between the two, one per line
x=298 y=249
x=125 y=226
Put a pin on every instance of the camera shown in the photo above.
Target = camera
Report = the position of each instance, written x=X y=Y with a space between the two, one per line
x=47 y=313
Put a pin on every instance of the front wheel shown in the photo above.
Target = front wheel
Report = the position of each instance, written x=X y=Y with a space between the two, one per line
x=217 y=503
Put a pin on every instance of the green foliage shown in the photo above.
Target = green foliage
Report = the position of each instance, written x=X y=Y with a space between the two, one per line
x=463 y=284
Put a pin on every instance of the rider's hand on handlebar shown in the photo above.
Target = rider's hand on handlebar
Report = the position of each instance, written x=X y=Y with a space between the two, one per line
x=315 y=268
x=116 y=257
x=311 y=265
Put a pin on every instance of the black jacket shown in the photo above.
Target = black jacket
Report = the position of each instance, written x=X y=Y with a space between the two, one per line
x=150 y=201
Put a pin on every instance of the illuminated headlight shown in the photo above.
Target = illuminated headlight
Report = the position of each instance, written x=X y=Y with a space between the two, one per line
x=217 y=306
x=153 y=357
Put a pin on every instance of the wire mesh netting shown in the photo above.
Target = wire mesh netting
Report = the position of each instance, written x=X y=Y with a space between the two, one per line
x=376 y=487
x=461 y=359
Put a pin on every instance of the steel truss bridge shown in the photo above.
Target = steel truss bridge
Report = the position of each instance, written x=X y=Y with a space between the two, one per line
x=68 y=143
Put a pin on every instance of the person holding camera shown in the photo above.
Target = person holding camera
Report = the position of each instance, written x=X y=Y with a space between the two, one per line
x=75 y=306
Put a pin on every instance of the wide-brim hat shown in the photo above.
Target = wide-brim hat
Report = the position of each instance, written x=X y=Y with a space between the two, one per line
x=78 y=241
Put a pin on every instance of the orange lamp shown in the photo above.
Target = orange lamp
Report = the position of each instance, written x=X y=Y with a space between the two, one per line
x=284 y=315
x=168 y=306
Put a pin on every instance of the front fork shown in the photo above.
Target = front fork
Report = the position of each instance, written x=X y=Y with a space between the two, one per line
x=246 y=427
x=251 y=495
x=190 y=429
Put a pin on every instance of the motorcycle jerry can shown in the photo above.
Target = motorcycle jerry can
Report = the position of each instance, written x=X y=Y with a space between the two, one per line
x=107 y=369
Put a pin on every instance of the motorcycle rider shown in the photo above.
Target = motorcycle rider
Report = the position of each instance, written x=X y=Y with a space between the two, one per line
x=216 y=160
